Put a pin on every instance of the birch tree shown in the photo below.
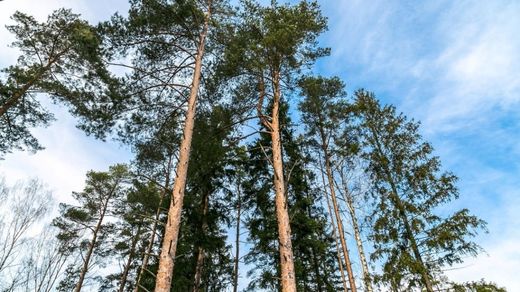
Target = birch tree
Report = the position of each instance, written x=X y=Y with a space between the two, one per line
x=23 y=205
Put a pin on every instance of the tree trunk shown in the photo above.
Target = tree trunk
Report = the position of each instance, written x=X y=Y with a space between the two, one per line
x=341 y=232
x=200 y=252
x=171 y=234
x=359 y=242
x=288 y=280
x=91 y=245
x=396 y=200
x=332 y=221
x=237 y=242
x=124 y=276
x=148 y=251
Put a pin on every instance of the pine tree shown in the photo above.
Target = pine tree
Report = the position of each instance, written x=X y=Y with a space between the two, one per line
x=84 y=229
x=166 y=41
x=323 y=114
x=62 y=58
x=271 y=46
x=410 y=239
x=314 y=260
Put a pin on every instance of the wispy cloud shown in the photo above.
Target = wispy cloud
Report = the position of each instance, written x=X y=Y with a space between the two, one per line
x=454 y=65
x=69 y=154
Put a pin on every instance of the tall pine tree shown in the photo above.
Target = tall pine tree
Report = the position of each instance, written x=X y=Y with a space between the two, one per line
x=411 y=240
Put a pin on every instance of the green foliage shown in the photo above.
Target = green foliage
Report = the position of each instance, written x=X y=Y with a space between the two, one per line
x=257 y=46
x=62 y=58
x=206 y=210
x=86 y=226
x=408 y=187
x=477 y=286
x=315 y=262
x=156 y=46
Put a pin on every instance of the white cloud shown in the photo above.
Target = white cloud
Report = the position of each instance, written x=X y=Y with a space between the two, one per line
x=479 y=64
x=69 y=154
x=454 y=65
x=502 y=258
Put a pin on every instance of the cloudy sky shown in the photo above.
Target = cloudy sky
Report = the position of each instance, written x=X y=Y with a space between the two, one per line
x=454 y=65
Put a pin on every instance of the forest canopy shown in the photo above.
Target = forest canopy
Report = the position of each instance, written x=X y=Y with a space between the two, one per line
x=249 y=171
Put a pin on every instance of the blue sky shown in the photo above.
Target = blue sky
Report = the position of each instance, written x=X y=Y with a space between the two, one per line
x=453 y=65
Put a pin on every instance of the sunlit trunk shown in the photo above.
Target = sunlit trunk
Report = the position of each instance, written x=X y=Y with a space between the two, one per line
x=171 y=234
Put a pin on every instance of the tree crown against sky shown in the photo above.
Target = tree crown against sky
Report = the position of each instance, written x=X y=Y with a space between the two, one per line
x=143 y=140
x=62 y=58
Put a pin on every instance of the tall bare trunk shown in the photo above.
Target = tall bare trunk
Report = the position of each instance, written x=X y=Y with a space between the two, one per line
x=171 y=234
x=237 y=241
x=126 y=270
x=200 y=252
x=341 y=232
x=288 y=279
x=333 y=223
x=359 y=242
x=90 y=250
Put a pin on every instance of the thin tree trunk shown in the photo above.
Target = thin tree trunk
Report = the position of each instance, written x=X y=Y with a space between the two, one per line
x=341 y=232
x=148 y=251
x=126 y=270
x=171 y=234
x=396 y=200
x=146 y=256
x=200 y=252
x=316 y=267
x=333 y=223
x=237 y=241
x=328 y=170
x=91 y=245
x=198 y=269
x=288 y=279
x=359 y=242
x=158 y=212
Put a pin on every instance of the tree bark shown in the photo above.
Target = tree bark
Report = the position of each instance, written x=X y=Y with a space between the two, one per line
x=171 y=234
x=359 y=242
x=237 y=241
x=90 y=250
x=131 y=255
x=288 y=279
x=200 y=252
x=341 y=232
x=333 y=223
